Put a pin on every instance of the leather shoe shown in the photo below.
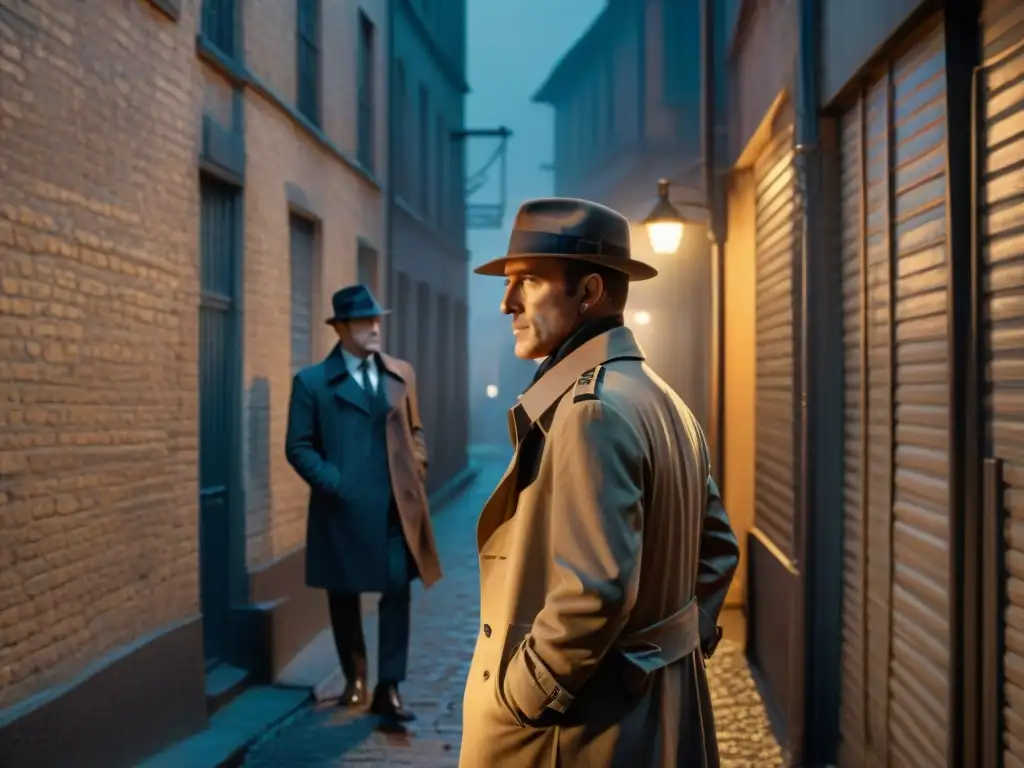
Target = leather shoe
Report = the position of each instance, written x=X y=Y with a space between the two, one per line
x=354 y=694
x=387 y=703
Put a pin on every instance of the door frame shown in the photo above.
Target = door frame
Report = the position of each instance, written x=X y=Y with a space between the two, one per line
x=237 y=568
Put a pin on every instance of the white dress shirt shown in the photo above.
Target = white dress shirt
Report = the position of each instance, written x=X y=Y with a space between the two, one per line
x=352 y=363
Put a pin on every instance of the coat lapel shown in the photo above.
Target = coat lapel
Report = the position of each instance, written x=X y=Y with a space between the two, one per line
x=616 y=344
x=394 y=382
x=341 y=382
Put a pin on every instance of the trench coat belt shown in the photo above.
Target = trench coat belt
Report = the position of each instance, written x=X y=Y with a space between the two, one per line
x=656 y=646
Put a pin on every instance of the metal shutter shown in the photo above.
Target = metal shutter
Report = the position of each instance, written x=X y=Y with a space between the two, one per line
x=879 y=383
x=1002 y=212
x=920 y=666
x=896 y=638
x=302 y=233
x=778 y=325
x=852 y=718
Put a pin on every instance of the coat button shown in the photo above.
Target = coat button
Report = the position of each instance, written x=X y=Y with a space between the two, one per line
x=487 y=675
x=487 y=630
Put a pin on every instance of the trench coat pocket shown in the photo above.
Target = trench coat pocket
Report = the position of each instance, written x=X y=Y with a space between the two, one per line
x=526 y=686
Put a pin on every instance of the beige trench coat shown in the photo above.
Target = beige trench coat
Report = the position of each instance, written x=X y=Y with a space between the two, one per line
x=591 y=552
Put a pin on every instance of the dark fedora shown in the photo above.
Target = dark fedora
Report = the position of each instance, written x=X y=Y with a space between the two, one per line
x=568 y=228
x=355 y=302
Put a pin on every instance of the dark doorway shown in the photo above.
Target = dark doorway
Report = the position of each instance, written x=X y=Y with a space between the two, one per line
x=218 y=348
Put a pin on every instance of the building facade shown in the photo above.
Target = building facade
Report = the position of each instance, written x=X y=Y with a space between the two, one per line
x=870 y=193
x=429 y=259
x=185 y=183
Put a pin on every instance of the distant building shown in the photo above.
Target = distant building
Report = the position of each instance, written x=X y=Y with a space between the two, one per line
x=429 y=259
x=184 y=186
x=626 y=97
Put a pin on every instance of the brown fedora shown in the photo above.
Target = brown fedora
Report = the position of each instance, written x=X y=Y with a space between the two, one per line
x=568 y=228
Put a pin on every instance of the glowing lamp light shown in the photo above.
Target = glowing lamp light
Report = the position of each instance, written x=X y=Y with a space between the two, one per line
x=492 y=391
x=642 y=317
x=665 y=236
x=665 y=224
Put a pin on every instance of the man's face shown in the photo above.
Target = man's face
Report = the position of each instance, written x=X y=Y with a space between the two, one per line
x=543 y=314
x=360 y=336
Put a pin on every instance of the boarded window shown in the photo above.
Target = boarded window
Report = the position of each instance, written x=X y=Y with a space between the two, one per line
x=302 y=241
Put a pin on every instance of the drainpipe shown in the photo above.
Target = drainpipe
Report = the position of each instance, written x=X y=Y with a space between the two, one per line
x=389 y=184
x=809 y=718
x=716 y=235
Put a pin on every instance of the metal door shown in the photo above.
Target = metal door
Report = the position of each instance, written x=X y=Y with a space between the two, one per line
x=219 y=250
x=303 y=233
x=1001 y=231
x=896 y=634
x=778 y=326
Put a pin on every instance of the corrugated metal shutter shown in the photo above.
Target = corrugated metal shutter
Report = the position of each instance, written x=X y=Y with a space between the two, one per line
x=1002 y=217
x=896 y=638
x=852 y=719
x=302 y=233
x=879 y=382
x=919 y=687
x=778 y=326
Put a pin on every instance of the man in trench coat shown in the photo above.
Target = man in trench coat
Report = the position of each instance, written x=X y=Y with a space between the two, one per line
x=355 y=436
x=605 y=552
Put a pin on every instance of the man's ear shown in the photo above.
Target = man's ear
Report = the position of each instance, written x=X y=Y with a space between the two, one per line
x=593 y=289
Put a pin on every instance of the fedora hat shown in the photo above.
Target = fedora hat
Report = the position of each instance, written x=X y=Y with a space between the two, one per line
x=355 y=302
x=568 y=228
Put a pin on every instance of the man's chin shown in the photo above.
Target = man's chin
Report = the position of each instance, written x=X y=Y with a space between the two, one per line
x=526 y=351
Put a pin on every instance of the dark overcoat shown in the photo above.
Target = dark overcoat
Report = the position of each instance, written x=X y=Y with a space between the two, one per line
x=329 y=421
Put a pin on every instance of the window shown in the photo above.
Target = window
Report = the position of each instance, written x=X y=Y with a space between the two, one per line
x=424 y=151
x=456 y=189
x=440 y=186
x=609 y=96
x=308 y=17
x=404 y=310
x=302 y=242
x=365 y=148
x=367 y=268
x=218 y=25
x=401 y=130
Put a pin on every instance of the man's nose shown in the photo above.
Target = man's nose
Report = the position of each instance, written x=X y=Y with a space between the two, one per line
x=509 y=302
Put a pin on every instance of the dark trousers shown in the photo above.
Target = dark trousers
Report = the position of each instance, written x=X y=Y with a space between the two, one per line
x=393 y=615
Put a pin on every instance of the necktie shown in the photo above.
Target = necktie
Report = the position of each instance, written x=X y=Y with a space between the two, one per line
x=364 y=376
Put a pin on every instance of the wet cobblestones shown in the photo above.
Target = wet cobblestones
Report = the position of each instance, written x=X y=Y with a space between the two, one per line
x=445 y=621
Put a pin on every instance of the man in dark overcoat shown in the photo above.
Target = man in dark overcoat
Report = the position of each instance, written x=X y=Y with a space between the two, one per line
x=355 y=436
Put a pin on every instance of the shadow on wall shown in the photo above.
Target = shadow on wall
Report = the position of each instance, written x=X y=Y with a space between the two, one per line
x=259 y=497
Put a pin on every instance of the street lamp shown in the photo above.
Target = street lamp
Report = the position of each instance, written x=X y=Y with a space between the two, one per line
x=665 y=224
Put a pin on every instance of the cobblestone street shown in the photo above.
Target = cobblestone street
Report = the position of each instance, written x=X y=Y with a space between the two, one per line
x=445 y=623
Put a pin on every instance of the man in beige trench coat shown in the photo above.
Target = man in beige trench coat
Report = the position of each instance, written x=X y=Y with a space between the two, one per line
x=605 y=552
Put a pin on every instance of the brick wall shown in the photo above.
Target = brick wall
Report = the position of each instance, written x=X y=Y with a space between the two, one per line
x=99 y=106
x=283 y=156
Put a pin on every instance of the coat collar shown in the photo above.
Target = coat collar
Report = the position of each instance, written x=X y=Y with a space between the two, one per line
x=616 y=344
x=336 y=369
x=345 y=387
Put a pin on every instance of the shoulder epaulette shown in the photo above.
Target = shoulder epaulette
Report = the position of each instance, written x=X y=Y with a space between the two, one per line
x=586 y=385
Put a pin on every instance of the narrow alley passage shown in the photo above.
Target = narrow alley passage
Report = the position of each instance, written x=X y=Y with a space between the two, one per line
x=445 y=623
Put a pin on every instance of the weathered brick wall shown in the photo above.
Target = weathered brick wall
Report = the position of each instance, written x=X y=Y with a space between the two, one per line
x=282 y=154
x=99 y=106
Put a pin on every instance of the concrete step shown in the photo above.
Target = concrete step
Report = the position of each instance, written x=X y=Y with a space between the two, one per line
x=224 y=683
